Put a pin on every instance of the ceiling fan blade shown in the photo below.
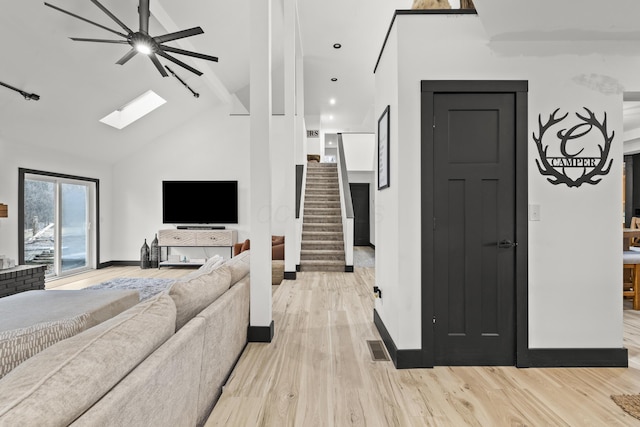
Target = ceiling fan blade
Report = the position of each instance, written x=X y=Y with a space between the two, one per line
x=79 y=39
x=178 y=62
x=158 y=65
x=179 y=35
x=112 y=16
x=127 y=57
x=189 y=53
x=85 y=20
x=143 y=11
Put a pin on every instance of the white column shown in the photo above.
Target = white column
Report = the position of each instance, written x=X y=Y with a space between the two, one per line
x=290 y=18
x=301 y=132
x=260 y=170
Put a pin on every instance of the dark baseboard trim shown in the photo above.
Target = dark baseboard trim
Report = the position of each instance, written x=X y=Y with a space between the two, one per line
x=371 y=245
x=348 y=268
x=261 y=333
x=402 y=359
x=123 y=263
x=577 y=358
x=104 y=265
x=298 y=267
x=289 y=275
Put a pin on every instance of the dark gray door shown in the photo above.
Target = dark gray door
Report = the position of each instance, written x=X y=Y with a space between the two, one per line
x=361 y=222
x=474 y=228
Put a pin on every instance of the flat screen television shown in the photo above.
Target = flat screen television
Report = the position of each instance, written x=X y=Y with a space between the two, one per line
x=200 y=202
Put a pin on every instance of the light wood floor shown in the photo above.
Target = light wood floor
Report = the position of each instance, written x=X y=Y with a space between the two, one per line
x=318 y=371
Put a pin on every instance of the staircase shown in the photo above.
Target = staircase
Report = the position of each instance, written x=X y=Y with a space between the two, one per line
x=322 y=240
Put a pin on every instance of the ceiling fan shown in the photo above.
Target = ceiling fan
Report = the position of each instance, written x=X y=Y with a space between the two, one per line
x=141 y=42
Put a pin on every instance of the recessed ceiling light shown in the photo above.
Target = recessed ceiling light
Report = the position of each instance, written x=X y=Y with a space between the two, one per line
x=331 y=117
x=337 y=45
x=334 y=79
x=332 y=101
x=134 y=110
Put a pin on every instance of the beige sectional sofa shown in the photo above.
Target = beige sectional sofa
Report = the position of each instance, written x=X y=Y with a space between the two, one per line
x=162 y=362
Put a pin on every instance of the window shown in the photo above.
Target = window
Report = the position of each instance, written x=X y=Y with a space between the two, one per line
x=56 y=222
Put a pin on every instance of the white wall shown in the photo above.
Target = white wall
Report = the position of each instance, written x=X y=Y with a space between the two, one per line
x=210 y=146
x=314 y=146
x=359 y=150
x=14 y=155
x=574 y=251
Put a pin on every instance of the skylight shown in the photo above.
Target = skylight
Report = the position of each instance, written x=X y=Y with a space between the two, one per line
x=134 y=110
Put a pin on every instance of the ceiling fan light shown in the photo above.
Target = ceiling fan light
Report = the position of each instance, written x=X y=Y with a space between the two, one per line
x=143 y=48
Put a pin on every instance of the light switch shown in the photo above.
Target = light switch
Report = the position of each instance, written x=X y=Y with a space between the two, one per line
x=534 y=212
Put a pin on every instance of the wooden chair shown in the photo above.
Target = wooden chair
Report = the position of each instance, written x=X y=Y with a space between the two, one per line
x=631 y=283
x=635 y=223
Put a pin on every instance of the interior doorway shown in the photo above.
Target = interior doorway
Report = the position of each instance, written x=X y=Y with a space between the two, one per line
x=362 y=224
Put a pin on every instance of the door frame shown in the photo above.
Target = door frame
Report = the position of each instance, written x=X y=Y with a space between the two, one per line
x=520 y=89
x=368 y=187
x=93 y=252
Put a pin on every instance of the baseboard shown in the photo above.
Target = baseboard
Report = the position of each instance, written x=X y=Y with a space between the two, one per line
x=261 y=333
x=120 y=264
x=289 y=275
x=298 y=268
x=348 y=268
x=577 y=358
x=105 y=264
x=402 y=359
x=371 y=245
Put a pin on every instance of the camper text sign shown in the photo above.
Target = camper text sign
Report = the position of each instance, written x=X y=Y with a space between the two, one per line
x=573 y=151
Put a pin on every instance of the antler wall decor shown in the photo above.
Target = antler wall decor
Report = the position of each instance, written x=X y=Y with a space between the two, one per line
x=592 y=167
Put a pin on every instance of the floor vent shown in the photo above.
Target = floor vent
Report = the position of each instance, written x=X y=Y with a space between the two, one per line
x=376 y=348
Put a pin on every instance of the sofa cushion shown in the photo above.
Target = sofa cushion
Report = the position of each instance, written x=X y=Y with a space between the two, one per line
x=58 y=384
x=161 y=391
x=239 y=266
x=17 y=345
x=192 y=295
x=28 y=308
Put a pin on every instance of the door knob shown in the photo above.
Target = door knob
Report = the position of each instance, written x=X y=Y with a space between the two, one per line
x=506 y=244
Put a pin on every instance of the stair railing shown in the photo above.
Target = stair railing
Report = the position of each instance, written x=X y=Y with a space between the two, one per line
x=346 y=207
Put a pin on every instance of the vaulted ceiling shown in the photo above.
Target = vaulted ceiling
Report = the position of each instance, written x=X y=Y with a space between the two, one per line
x=79 y=83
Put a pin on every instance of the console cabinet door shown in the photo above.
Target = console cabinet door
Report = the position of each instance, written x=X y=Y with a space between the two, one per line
x=213 y=238
x=176 y=238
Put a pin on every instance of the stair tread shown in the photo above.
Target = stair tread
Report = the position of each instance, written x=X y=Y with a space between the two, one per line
x=322 y=262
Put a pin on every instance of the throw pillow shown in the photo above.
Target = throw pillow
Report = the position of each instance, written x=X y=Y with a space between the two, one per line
x=211 y=264
x=192 y=295
x=239 y=266
x=18 y=345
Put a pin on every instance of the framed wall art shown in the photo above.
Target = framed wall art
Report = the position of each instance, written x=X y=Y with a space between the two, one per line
x=383 y=150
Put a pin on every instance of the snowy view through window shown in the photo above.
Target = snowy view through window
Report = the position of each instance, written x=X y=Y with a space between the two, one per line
x=40 y=225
